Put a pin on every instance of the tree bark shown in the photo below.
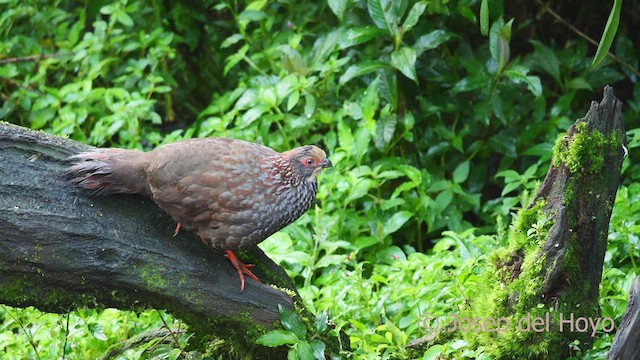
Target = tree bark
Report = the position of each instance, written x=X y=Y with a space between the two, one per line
x=626 y=343
x=61 y=249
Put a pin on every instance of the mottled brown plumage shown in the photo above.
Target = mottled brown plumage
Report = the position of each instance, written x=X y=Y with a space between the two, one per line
x=232 y=193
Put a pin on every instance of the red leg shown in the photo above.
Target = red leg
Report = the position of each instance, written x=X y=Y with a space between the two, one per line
x=243 y=269
x=177 y=230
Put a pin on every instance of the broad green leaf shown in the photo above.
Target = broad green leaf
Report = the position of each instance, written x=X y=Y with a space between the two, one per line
x=386 y=128
x=579 y=83
x=277 y=338
x=361 y=69
x=124 y=18
x=309 y=105
x=484 y=17
x=430 y=41
x=461 y=173
x=395 y=222
x=97 y=331
x=382 y=15
x=518 y=74
x=444 y=199
x=390 y=255
x=292 y=61
x=433 y=352
x=293 y=100
x=253 y=114
x=234 y=59
x=414 y=15
x=291 y=321
x=8 y=71
x=322 y=319
x=358 y=35
x=509 y=187
x=499 y=43
x=318 y=349
x=546 y=58
x=338 y=7
x=609 y=33
x=365 y=242
x=404 y=59
x=305 y=352
x=231 y=40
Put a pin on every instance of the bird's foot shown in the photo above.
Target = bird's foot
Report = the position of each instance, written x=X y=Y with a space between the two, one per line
x=177 y=230
x=243 y=269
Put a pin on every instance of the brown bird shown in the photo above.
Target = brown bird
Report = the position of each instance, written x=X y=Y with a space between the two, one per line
x=232 y=193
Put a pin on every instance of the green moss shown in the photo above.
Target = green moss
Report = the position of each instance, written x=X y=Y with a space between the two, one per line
x=152 y=278
x=511 y=289
x=584 y=151
x=527 y=219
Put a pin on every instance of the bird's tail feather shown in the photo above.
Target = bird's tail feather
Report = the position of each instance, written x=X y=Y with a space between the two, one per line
x=109 y=171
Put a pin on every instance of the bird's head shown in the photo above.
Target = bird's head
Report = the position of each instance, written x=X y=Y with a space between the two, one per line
x=307 y=162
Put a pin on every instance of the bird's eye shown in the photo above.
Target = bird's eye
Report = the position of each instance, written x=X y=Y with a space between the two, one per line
x=309 y=161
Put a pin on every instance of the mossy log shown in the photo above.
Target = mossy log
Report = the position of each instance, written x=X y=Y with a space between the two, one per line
x=626 y=343
x=61 y=249
x=538 y=292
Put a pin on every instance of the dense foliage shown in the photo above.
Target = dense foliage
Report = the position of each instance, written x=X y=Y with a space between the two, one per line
x=437 y=133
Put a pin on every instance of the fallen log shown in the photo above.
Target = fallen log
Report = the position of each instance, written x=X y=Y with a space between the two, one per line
x=61 y=249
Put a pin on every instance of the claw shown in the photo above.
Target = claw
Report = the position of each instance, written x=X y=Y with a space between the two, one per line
x=177 y=230
x=243 y=269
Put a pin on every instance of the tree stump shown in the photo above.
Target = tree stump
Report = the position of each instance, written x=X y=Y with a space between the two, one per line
x=62 y=249
x=535 y=298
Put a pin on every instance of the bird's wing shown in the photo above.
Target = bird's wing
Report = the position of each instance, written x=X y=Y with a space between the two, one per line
x=210 y=187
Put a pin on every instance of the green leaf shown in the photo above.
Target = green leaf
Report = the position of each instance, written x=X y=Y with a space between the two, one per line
x=518 y=74
x=361 y=69
x=404 y=59
x=385 y=129
x=358 y=35
x=97 y=331
x=322 y=319
x=231 y=40
x=433 y=352
x=234 y=59
x=8 y=71
x=395 y=222
x=291 y=321
x=381 y=14
x=444 y=199
x=338 y=7
x=277 y=338
x=253 y=114
x=414 y=15
x=430 y=41
x=509 y=187
x=318 y=349
x=310 y=105
x=305 y=352
x=124 y=18
x=484 y=17
x=609 y=33
x=293 y=100
x=499 y=43
x=461 y=173
x=546 y=58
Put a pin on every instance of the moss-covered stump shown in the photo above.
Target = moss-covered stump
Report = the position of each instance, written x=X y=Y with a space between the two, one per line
x=538 y=298
x=61 y=249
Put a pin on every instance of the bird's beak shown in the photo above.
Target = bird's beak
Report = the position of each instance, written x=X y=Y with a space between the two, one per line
x=326 y=163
